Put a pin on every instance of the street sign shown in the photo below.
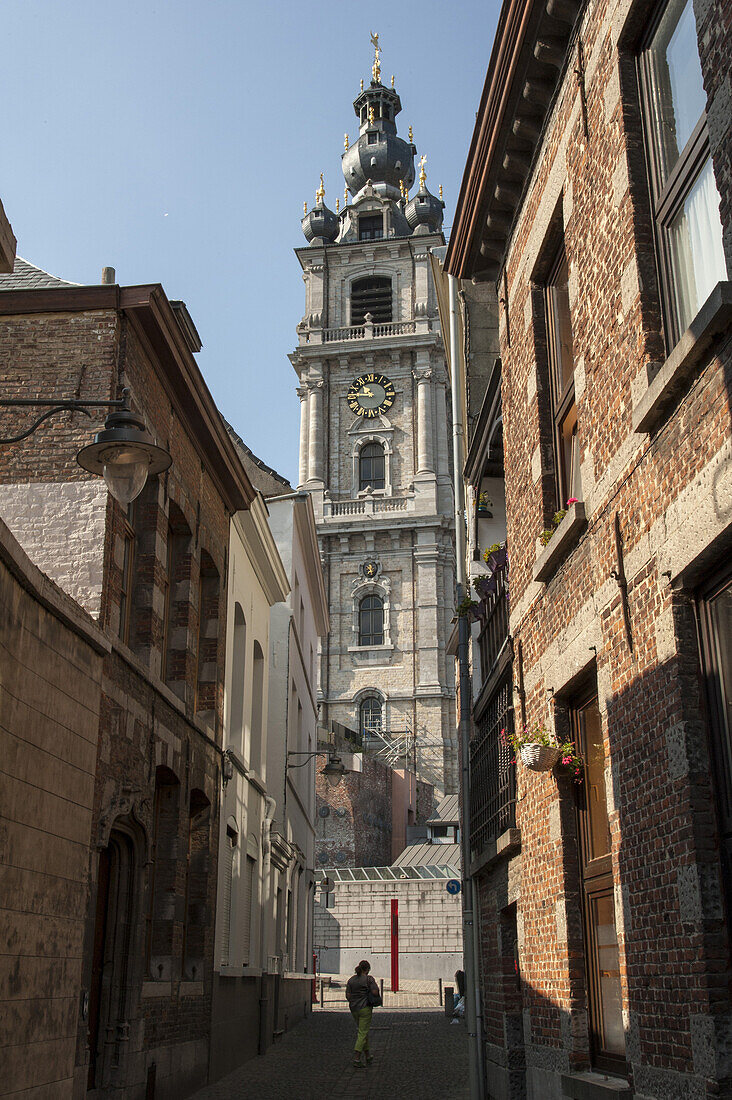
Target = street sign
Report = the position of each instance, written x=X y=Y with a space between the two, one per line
x=453 y=886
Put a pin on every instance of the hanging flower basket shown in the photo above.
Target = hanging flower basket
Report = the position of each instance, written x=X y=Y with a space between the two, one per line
x=539 y=758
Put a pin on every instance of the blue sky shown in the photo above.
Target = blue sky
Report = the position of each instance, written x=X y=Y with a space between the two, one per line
x=176 y=140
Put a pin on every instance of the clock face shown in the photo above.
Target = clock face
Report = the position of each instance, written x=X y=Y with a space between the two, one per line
x=370 y=395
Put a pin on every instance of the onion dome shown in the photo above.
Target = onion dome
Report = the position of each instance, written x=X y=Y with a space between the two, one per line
x=321 y=225
x=378 y=154
x=424 y=211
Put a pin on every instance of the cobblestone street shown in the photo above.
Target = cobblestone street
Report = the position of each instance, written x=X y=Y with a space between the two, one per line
x=417 y=1053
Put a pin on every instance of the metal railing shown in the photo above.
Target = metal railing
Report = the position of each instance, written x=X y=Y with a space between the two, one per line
x=368 y=331
x=493 y=771
x=495 y=630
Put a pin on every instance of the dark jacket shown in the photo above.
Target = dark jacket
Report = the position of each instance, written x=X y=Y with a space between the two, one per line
x=356 y=989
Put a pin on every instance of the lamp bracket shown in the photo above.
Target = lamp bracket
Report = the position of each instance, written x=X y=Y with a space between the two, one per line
x=59 y=404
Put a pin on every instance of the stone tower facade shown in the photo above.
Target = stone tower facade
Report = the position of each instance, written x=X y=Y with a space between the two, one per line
x=375 y=444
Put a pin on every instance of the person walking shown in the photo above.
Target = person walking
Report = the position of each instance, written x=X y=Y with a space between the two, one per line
x=362 y=994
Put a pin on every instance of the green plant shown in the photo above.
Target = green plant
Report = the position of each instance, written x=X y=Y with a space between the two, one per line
x=546 y=534
x=465 y=605
x=538 y=734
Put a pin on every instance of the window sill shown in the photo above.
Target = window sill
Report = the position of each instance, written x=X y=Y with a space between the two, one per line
x=370 y=648
x=502 y=847
x=563 y=540
x=594 y=1086
x=665 y=388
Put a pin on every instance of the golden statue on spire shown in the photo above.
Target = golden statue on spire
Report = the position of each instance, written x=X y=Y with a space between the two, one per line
x=422 y=173
x=320 y=193
x=376 y=67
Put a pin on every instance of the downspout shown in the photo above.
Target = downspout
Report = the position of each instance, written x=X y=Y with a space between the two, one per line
x=270 y=806
x=473 y=1011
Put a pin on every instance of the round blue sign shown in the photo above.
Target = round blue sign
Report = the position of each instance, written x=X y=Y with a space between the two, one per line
x=453 y=886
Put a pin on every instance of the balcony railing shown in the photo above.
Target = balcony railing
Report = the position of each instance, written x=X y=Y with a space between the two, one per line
x=492 y=771
x=365 y=506
x=368 y=331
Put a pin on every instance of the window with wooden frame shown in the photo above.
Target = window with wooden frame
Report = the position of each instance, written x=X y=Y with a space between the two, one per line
x=561 y=366
x=371 y=621
x=602 y=952
x=371 y=467
x=128 y=565
x=684 y=192
x=715 y=627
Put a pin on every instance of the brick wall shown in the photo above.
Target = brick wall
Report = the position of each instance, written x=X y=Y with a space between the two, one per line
x=156 y=797
x=667 y=489
x=357 y=829
x=51 y=670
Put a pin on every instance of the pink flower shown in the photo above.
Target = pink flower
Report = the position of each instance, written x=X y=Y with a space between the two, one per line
x=566 y=759
x=572 y=500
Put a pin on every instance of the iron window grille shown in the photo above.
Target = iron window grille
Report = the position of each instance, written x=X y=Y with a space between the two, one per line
x=493 y=771
x=493 y=636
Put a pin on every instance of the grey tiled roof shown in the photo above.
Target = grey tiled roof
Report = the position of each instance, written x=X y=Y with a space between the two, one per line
x=429 y=855
x=447 y=811
x=25 y=276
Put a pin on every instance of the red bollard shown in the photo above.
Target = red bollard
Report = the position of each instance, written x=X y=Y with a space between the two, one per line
x=394 y=945
x=315 y=980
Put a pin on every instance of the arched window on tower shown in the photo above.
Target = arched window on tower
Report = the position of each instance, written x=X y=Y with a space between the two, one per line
x=371 y=467
x=371 y=295
x=371 y=621
x=370 y=715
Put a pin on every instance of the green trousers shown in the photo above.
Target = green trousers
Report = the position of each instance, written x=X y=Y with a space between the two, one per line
x=363 y=1021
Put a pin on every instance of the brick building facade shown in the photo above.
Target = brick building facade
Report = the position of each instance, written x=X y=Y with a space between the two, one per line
x=591 y=202
x=153 y=576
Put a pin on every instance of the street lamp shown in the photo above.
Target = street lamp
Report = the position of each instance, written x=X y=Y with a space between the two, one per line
x=333 y=771
x=122 y=453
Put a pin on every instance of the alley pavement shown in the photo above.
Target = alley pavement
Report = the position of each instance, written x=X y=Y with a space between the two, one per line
x=418 y=1053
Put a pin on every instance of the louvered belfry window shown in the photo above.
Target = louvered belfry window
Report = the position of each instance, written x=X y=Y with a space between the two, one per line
x=371 y=295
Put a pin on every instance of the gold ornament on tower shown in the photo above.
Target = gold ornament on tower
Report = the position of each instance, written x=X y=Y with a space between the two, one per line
x=345 y=142
x=411 y=135
x=371 y=116
x=392 y=80
x=422 y=173
x=320 y=193
x=440 y=192
x=338 y=205
x=376 y=67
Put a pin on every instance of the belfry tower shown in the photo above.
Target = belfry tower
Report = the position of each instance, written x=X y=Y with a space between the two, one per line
x=374 y=445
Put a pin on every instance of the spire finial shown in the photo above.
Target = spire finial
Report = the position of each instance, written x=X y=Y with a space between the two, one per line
x=440 y=192
x=392 y=80
x=371 y=115
x=345 y=142
x=361 y=83
x=411 y=135
x=376 y=67
x=304 y=209
x=338 y=206
x=320 y=193
x=345 y=197
x=422 y=173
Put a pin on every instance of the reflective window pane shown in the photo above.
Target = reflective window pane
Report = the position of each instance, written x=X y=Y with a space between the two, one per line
x=677 y=94
x=598 y=825
x=696 y=247
x=612 y=1039
x=561 y=328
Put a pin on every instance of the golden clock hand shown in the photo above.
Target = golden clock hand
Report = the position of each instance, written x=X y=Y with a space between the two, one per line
x=365 y=392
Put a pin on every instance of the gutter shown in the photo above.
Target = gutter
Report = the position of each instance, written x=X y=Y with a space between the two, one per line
x=473 y=1007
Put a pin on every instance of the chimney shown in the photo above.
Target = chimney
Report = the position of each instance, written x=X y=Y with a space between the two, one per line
x=108 y=276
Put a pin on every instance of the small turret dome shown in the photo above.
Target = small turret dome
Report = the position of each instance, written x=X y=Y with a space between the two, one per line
x=321 y=225
x=424 y=211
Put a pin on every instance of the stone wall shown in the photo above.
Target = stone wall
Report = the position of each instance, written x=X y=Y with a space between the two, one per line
x=357 y=925
x=51 y=670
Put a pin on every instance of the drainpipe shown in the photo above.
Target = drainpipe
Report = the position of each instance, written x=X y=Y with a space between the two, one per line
x=473 y=1011
x=269 y=810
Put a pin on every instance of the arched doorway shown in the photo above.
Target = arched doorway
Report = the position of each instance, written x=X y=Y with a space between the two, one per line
x=114 y=928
